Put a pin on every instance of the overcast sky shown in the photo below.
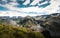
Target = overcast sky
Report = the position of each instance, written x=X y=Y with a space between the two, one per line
x=28 y=7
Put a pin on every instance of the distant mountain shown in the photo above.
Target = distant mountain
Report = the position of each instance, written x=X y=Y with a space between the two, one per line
x=44 y=22
x=28 y=22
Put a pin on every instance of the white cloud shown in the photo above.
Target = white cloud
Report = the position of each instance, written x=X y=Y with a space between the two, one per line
x=35 y=2
x=52 y=8
x=43 y=3
x=4 y=0
x=26 y=2
x=13 y=4
x=13 y=0
x=13 y=13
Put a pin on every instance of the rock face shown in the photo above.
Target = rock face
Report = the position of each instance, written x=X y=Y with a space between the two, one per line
x=52 y=24
x=28 y=22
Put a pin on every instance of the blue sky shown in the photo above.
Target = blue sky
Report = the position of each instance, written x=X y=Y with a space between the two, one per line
x=28 y=7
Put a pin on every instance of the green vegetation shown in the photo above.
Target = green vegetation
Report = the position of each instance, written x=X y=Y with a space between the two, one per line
x=9 y=31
